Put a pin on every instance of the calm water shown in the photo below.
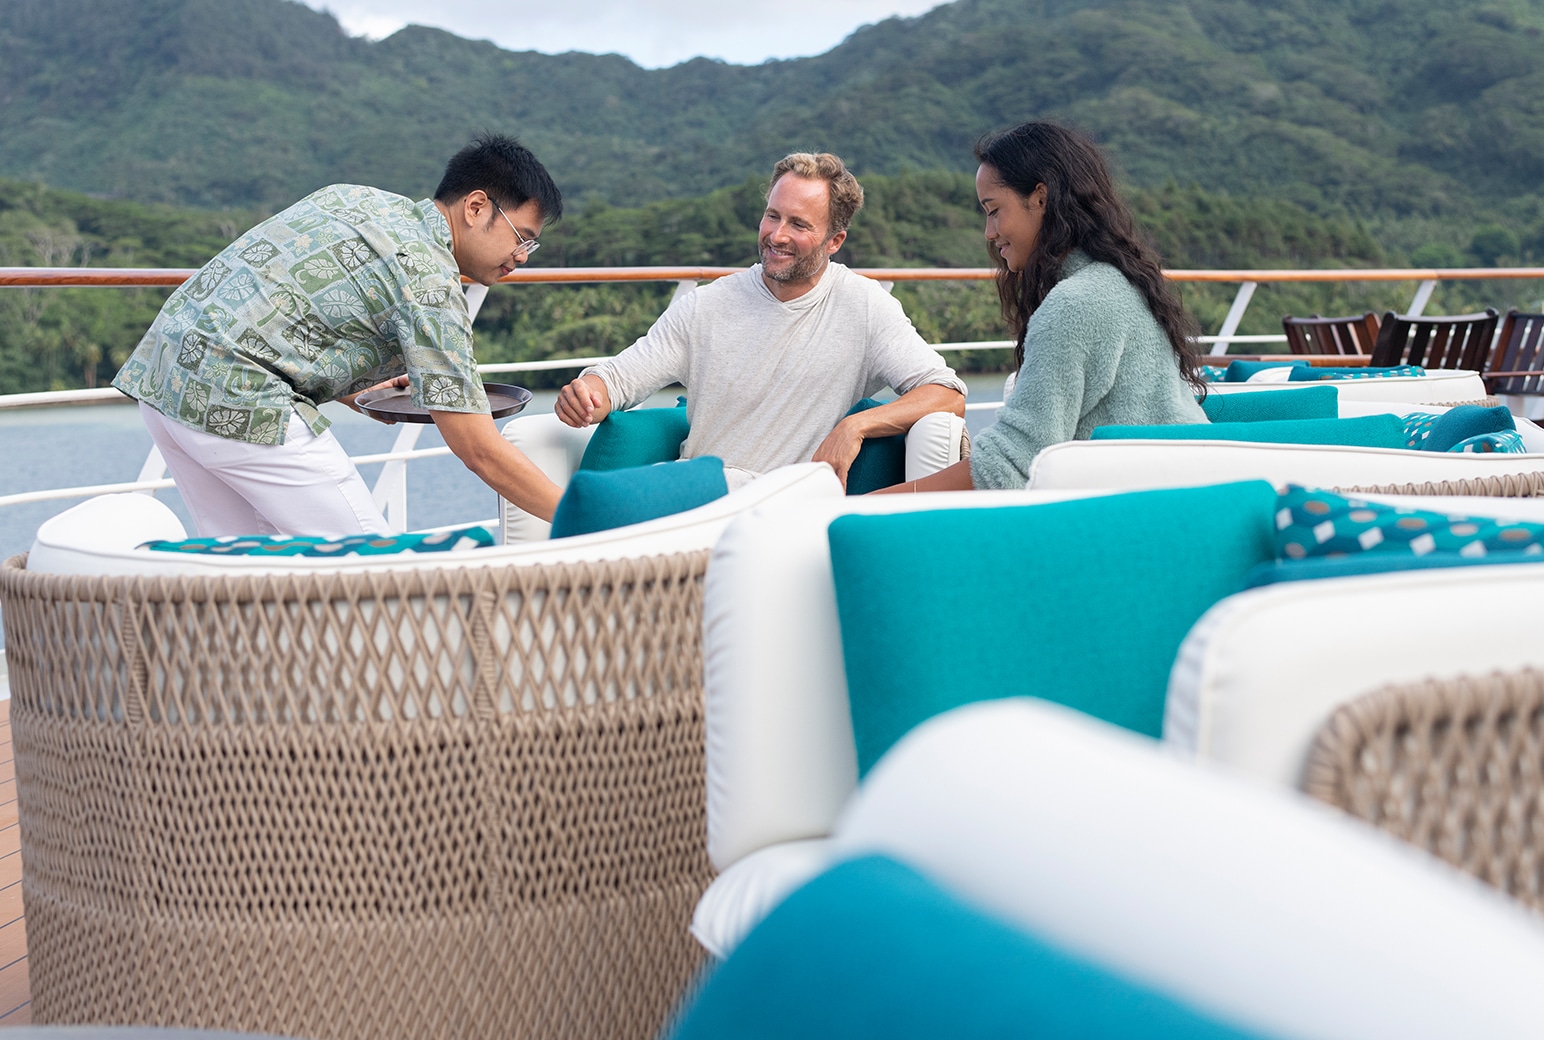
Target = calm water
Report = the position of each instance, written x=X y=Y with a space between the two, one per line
x=65 y=447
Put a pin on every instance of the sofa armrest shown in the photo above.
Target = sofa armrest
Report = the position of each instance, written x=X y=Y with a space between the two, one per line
x=556 y=448
x=936 y=441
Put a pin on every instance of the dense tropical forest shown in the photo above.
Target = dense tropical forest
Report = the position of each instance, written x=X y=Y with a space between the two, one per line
x=1302 y=133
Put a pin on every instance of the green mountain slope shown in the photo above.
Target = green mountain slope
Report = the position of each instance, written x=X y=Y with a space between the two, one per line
x=1403 y=107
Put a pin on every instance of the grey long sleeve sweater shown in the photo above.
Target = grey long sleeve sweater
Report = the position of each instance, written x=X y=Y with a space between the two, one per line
x=1094 y=355
x=767 y=380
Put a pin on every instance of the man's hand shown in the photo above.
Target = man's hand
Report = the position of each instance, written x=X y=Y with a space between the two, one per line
x=396 y=382
x=583 y=402
x=840 y=447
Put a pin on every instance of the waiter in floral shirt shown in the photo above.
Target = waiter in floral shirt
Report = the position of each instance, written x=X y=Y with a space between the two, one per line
x=350 y=289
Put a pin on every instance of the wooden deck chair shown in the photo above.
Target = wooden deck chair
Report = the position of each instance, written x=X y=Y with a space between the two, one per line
x=1517 y=363
x=1355 y=334
x=1452 y=341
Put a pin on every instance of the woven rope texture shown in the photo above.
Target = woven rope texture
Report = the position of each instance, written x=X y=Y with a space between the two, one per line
x=1454 y=766
x=1505 y=485
x=456 y=803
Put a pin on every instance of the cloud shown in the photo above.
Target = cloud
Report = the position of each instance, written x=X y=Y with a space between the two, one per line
x=653 y=33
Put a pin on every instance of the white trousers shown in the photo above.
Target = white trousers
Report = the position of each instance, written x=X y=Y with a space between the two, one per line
x=305 y=486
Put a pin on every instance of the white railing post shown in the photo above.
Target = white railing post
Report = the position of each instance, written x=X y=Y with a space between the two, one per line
x=1235 y=315
x=153 y=469
x=682 y=287
x=1422 y=297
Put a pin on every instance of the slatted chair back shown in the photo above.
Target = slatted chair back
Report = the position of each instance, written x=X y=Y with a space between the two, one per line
x=1450 y=341
x=1317 y=335
x=1517 y=363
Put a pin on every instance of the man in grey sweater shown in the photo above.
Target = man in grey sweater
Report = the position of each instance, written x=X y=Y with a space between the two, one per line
x=773 y=357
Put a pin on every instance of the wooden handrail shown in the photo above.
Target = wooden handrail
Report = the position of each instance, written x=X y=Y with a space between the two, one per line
x=166 y=276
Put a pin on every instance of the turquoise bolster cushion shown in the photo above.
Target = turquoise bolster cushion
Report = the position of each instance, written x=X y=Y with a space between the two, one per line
x=458 y=540
x=872 y=948
x=639 y=437
x=1240 y=371
x=1083 y=603
x=1366 y=431
x=598 y=500
x=1311 y=402
x=881 y=461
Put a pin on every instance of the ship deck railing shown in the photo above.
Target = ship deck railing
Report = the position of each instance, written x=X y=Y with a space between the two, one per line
x=390 y=489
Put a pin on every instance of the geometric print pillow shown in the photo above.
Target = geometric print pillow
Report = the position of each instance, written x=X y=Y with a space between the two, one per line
x=354 y=545
x=1312 y=523
x=1419 y=427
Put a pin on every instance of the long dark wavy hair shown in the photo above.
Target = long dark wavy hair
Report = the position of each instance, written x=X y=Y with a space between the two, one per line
x=1082 y=211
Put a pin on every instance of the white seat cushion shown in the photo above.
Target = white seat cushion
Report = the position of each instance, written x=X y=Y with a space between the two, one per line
x=1437 y=386
x=68 y=549
x=1133 y=464
x=741 y=896
x=1262 y=671
x=1253 y=904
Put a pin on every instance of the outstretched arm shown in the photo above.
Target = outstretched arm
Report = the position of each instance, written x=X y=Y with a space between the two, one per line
x=473 y=438
x=841 y=445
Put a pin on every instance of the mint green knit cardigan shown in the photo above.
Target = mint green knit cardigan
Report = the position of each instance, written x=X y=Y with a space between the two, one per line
x=1093 y=356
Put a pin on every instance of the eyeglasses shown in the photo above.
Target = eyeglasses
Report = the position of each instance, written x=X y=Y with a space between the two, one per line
x=527 y=245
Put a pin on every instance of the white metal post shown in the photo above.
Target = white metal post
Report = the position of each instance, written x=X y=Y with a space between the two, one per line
x=1235 y=315
x=1422 y=297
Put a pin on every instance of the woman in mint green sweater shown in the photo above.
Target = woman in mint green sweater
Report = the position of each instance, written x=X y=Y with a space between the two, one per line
x=1102 y=338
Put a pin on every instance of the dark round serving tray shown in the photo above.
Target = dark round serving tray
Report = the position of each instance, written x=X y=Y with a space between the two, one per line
x=396 y=404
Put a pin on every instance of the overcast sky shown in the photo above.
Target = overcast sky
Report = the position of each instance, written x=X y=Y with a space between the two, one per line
x=653 y=33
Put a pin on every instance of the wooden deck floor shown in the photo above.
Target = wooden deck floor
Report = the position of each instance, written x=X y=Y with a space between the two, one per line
x=15 y=995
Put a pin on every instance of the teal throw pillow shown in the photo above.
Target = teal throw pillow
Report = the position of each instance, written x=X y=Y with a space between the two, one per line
x=639 y=437
x=1365 y=431
x=1312 y=523
x=1310 y=402
x=1211 y=373
x=881 y=461
x=1083 y=603
x=1241 y=371
x=598 y=500
x=872 y=948
x=354 y=545
x=1464 y=422
x=1327 y=373
x=1465 y=428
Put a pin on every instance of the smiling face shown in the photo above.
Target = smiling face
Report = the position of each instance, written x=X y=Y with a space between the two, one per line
x=794 y=237
x=1012 y=220
x=484 y=243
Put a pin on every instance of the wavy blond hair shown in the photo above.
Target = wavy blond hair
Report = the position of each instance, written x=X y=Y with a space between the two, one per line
x=846 y=193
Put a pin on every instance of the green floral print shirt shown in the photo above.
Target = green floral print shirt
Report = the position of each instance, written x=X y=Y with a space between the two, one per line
x=348 y=287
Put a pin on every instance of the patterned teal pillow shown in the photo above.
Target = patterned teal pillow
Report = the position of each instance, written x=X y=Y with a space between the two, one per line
x=1211 y=373
x=459 y=540
x=1311 y=523
x=1316 y=375
x=1464 y=428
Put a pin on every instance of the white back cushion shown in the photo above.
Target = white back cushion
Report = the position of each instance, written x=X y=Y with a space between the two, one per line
x=1131 y=464
x=557 y=449
x=781 y=760
x=86 y=552
x=107 y=523
x=1262 y=671
x=1437 y=386
x=1256 y=905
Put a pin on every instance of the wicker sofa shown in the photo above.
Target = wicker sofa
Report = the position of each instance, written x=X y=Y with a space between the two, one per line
x=418 y=797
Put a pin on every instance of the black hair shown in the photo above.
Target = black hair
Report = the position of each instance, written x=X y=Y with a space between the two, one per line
x=1082 y=211
x=506 y=170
